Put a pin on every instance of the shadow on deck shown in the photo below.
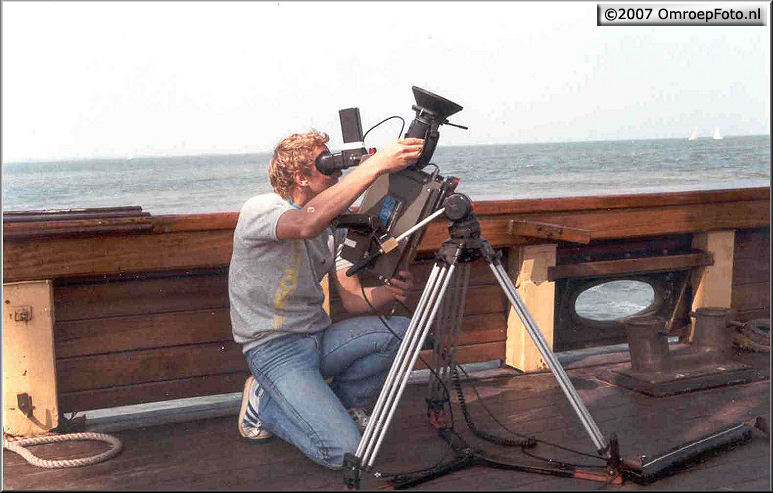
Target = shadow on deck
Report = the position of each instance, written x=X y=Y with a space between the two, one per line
x=209 y=454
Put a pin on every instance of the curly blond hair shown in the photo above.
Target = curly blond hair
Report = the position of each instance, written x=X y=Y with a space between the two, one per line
x=292 y=156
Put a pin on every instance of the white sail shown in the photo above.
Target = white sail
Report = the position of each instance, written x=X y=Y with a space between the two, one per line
x=716 y=135
x=694 y=134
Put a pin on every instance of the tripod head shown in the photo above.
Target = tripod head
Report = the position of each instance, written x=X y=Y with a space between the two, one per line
x=464 y=224
x=465 y=243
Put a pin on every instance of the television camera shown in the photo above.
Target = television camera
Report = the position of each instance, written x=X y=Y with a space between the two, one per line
x=384 y=234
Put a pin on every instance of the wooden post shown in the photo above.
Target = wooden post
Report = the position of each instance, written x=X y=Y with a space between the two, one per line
x=528 y=267
x=713 y=284
x=30 y=404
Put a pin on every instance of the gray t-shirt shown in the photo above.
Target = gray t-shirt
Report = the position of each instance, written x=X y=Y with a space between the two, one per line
x=274 y=285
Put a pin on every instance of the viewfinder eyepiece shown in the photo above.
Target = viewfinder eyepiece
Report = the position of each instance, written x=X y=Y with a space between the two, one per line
x=354 y=150
x=431 y=112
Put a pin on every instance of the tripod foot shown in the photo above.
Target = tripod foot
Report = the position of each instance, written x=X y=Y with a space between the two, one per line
x=352 y=468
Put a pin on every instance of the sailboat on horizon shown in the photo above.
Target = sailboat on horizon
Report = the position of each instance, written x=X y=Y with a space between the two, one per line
x=716 y=135
x=693 y=134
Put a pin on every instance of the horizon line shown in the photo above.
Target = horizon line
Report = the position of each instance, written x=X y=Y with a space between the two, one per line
x=214 y=154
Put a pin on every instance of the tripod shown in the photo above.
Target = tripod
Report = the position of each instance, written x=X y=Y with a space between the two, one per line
x=464 y=245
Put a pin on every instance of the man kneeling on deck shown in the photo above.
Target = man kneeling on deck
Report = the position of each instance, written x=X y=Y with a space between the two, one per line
x=283 y=246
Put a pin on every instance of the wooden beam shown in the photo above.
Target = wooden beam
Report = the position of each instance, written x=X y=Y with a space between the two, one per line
x=64 y=214
x=619 y=223
x=752 y=243
x=149 y=365
x=528 y=269
x=30 y=404
x=143 y=331
x=75 y=222
x=189 y=243
x=621 y=201
x=61 y=257
x=152 y=392
x=630 y=266
x=713 y=284
x=145 y=297
x=751 y=297
x=470 y=354
x=178 y=223
x=77 y=228
x=121 y=395
x=547 y=231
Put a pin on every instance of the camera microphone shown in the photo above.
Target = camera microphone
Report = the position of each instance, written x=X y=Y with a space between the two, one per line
x=354 y=151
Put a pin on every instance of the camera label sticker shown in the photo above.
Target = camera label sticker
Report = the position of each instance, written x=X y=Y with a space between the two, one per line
x=387 y=210
x=350 y=242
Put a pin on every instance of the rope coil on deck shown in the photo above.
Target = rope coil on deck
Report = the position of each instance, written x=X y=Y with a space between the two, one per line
x=18 y=446
x=753 y=335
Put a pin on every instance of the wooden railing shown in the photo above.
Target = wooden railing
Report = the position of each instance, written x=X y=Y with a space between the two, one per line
x=142 y=315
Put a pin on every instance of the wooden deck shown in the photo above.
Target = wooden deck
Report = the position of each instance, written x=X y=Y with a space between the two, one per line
x=209 y=454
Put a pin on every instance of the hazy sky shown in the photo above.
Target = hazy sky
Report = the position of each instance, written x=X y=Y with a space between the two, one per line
x=103 y=79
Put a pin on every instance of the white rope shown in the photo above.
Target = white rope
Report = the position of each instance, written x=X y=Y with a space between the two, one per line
x=18 y=447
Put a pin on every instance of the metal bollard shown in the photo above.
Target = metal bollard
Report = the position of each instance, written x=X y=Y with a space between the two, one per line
x=647 y=342
x=712 y=334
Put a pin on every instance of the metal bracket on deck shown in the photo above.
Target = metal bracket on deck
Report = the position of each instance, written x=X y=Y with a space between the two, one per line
x=24 y=401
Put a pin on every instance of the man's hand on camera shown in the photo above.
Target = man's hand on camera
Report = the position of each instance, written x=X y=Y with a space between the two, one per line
x=400 y=286
x=398 y=155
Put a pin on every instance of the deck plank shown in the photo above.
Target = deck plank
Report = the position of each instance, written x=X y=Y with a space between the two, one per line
x=209 y=454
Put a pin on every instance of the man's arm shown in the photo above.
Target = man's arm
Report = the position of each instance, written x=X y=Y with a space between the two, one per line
x=319 y=212
x=381 y=297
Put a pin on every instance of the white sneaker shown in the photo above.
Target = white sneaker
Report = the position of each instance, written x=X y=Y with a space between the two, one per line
x=360 y=417
x=250 y=425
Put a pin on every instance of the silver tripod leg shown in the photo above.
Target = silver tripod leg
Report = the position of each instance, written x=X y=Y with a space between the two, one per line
x=375 y=421
x=506 y=283
x=394 y=385
x=446 y=330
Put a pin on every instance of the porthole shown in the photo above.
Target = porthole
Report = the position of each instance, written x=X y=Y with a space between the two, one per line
x=612 y=300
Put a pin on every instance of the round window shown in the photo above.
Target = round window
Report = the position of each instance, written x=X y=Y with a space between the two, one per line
x=614 y=299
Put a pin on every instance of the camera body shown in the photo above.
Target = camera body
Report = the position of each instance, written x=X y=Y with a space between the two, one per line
x=396 y=202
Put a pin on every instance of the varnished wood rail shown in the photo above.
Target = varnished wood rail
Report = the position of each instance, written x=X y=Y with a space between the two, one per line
x=204 y=240
x=142 y=315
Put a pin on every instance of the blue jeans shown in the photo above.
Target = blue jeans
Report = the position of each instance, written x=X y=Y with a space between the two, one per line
x=300 y=407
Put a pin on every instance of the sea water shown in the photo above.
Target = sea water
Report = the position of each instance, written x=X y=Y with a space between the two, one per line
x=218 y=183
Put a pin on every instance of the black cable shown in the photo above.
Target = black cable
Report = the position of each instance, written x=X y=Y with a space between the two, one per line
x=382 y=121
x=471 y=425
x=480 y=400
x=565 y=464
